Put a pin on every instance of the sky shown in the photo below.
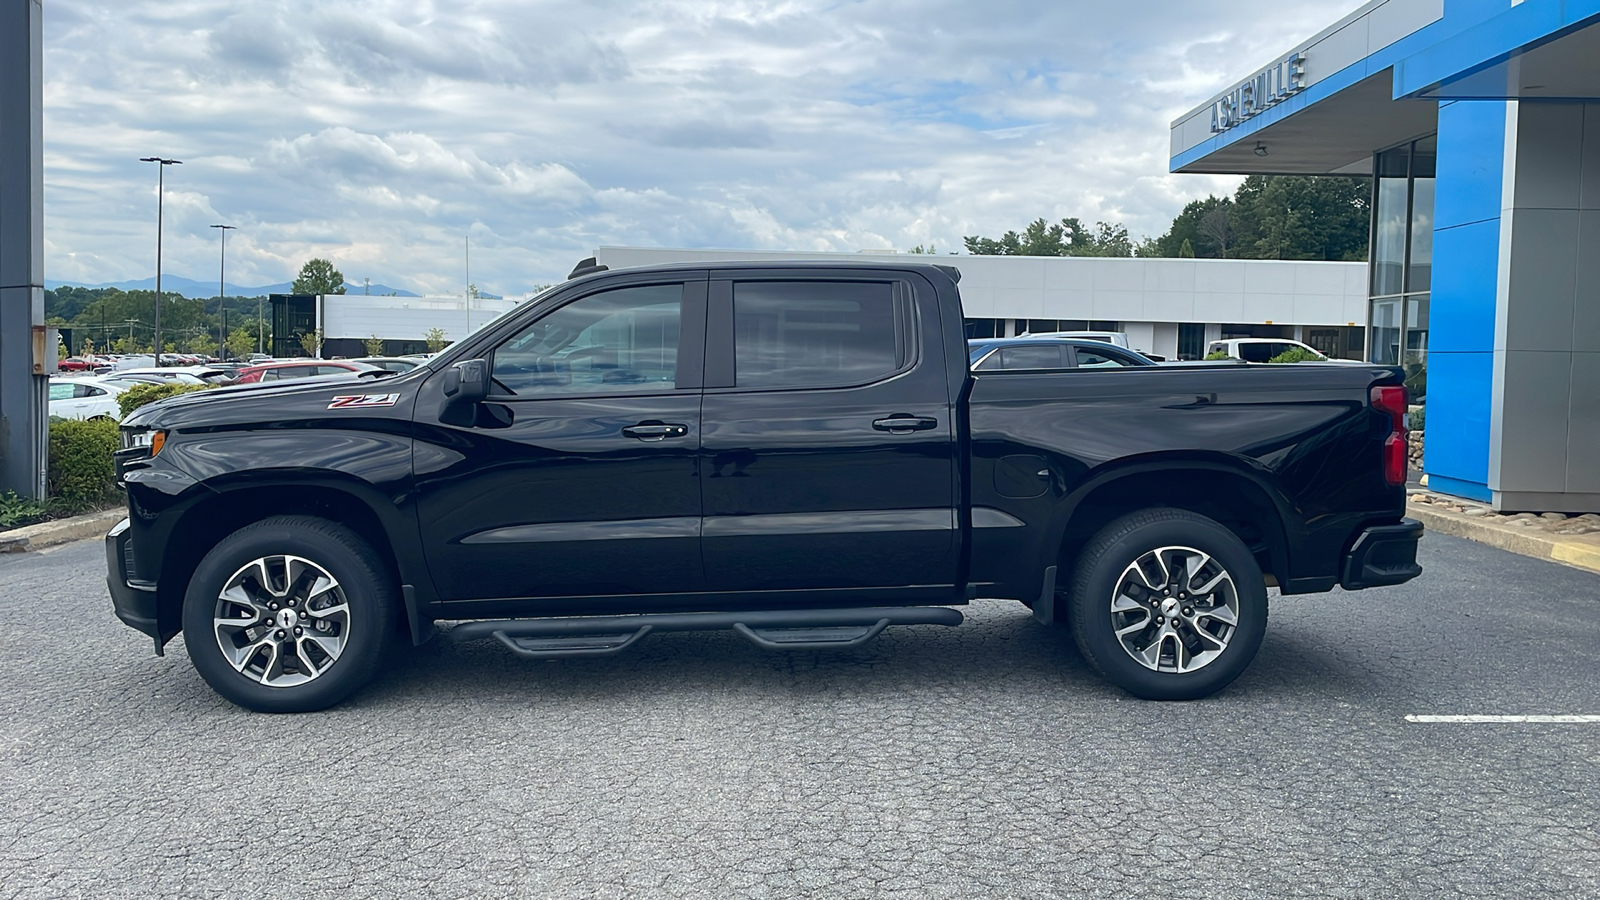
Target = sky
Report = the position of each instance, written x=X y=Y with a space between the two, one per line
x=386 y=135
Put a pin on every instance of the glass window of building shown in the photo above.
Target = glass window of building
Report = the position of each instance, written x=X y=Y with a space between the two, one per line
x=1402 y=258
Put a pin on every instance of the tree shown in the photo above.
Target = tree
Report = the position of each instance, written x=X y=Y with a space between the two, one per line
x=1186 y=250
x=318 y=276
x=373 y=345
x=239 y=342
x=311 y=342
x=1277 y=217
x=205 y=345
x=1069 y=237
x=436 y=339
x=1217 y=224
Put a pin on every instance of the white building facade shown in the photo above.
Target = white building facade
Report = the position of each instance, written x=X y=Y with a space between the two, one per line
x=1171 y=308
x=347 y=321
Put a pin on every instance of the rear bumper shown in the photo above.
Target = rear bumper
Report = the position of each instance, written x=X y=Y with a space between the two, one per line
x=133 y=601
x=1382 y=555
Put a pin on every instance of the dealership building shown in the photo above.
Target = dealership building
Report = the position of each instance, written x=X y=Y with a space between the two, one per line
x=1479 y=121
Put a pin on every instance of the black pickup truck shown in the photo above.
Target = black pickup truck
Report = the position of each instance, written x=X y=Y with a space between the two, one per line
x=797 y=452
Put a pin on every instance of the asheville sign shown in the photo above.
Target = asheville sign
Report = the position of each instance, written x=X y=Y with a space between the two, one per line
x=1255 y=95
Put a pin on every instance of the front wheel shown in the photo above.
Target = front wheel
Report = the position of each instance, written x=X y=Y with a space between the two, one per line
x=1168 y=605
x=290 y=614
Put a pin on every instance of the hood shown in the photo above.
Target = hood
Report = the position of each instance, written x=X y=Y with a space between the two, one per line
x=245 y=401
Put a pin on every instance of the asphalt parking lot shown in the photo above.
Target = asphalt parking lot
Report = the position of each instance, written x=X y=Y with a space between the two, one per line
x=984 y=761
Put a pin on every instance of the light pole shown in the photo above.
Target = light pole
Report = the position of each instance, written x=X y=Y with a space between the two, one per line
x=161 y=171
x=222 y=286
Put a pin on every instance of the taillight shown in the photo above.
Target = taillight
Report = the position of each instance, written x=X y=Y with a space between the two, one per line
x=1391 y=399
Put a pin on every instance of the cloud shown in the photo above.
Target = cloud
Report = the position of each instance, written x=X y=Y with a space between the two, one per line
x=381 y=133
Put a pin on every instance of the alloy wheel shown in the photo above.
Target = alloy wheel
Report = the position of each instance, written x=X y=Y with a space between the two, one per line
x=1174 y=609
x=281 y=620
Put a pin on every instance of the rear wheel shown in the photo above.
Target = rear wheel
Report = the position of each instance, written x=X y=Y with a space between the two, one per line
x=290 y=614
x=1168 y=605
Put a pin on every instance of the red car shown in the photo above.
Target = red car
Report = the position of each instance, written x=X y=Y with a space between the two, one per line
x=306 y=368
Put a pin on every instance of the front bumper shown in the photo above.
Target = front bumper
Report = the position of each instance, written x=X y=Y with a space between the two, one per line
x=1382 y=555
x=133 y=601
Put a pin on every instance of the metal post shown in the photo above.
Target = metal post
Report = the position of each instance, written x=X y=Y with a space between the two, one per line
x=222 y=287
x=23 y=418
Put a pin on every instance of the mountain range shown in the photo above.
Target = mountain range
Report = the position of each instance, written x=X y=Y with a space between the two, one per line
x=188 y=287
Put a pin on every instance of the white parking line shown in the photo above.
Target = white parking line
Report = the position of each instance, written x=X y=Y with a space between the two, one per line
x=1486 y=720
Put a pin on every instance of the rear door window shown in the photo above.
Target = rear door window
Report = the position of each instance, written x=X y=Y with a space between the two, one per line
x=1095 y=359
x=1256 y=353
x=1043 y=356
x=816 y=333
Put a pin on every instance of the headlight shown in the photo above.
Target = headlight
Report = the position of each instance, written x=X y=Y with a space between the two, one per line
x=146 y=439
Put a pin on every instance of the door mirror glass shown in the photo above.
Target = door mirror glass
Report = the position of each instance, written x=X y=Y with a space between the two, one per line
x=467 y=381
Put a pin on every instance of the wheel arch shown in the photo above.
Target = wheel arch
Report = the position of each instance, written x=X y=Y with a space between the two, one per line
x=1237 y=496
x=233 y=505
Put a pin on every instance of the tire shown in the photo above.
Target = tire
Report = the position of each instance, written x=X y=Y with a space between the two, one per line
x=1194 y=651
x=266 y=580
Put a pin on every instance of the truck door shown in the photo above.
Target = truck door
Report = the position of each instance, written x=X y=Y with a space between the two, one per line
x=578 y=476
x=828 y=451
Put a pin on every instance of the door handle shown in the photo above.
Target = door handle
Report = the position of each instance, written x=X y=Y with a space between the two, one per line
x=655 y=431
x=900 y=423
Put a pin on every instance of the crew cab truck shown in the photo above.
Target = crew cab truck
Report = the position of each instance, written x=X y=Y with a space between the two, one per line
x=797 y=452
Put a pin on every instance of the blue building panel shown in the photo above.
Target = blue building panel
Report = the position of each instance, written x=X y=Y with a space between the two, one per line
x=1465 y=279
x=1472 y=141
x=1459 y=394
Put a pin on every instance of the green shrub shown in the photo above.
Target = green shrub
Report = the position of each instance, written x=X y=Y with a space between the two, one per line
x=16 y=512
x=1218 y=355
x=144 y=394
x=1418 y=418
x=1295 y=355
x=1416 y=380
x=82 y=474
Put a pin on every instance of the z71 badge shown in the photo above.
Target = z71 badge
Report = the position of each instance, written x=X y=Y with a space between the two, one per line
x=364 y=401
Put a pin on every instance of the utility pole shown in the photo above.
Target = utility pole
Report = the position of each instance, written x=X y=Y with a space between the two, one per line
x=261 y=329
x=222 y=287
x=161 y=195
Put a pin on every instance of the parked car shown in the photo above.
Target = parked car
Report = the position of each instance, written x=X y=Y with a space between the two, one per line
x=392 y=363
x=84 y=398
x=303 y=368
x=1048 y=353
x=1260 y=350
x=125 y=380
x=798 y=452
x=1118 y=338
x=182 y=374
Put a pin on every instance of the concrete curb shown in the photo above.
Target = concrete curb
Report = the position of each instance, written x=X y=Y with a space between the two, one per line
x=1579 y=551
x=60 y=531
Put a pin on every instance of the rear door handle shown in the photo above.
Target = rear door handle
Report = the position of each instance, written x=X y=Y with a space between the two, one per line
x=653 y=430
x=900 y=423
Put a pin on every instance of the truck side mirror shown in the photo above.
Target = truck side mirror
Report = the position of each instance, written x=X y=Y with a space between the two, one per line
x=467 y=381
